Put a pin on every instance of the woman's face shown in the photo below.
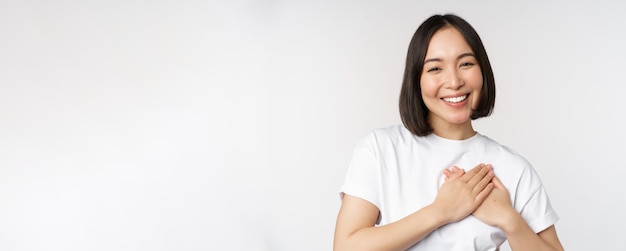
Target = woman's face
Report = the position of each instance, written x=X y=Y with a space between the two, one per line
x=451 y=80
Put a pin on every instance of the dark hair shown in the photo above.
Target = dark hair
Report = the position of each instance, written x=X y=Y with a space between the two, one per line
x=413 y=111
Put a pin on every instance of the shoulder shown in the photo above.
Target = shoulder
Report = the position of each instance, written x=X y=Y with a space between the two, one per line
x=511 y=166
x=394 y=133
x=390 y=136
x=503 y=152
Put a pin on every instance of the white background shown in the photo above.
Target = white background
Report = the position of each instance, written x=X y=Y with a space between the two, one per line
x=195 y=125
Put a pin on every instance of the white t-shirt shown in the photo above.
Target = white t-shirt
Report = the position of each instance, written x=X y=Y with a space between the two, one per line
x=401 y=173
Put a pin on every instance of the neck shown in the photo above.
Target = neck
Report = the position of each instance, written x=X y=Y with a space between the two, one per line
x=453 y=131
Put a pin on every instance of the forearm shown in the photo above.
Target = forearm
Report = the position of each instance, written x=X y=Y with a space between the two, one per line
x=521 y=237
x=399 y=235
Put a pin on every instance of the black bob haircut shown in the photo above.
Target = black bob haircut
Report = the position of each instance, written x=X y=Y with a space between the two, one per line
x=413 y=111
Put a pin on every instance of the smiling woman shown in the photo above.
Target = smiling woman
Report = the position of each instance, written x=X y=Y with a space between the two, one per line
x=451 y=83
x=407 y=187
x=425 y=62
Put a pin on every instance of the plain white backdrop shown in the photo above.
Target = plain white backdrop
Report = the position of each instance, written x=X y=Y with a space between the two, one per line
x=204 y=125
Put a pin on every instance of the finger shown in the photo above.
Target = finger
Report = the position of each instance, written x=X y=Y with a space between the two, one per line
x=473 y=172
x=484 y=193
x=489 y=166
x=452 y=173
x=453 y=169
x=498 y=184
x=478 y=176
x=456 y=169
x=458 y=172
x=483 y=182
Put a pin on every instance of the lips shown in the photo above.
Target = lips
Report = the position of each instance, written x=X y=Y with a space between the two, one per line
x=455 y=99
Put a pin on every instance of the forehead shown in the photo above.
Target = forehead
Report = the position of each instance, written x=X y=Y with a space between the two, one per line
x=447 y=41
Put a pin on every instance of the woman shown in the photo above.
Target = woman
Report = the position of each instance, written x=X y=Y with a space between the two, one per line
x=407 y=188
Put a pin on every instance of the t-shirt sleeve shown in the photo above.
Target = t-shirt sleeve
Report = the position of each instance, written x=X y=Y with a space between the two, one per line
x=533 y=203
x=362 y=178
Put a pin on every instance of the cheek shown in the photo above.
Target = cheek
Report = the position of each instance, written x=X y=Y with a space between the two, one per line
x=477 y=85
x=475 y=79
x=479 y=82
x=428 y=87
x=475 y=100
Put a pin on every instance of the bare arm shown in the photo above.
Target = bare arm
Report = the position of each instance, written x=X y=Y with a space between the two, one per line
x=457 y=198
x=355 y=228
x=521 y=237
x=497 y=210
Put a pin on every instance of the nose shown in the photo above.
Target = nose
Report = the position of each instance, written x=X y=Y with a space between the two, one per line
x=454 y=80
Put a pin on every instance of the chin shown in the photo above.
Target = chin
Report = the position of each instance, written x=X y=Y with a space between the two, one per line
x=459 y=120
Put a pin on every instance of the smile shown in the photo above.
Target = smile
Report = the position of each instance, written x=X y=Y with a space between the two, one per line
x=455 y=99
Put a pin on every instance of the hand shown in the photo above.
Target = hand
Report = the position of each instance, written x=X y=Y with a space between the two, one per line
x=463 y=192
x=453 y=172
x=496 y=208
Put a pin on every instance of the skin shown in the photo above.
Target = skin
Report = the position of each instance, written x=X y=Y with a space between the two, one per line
x=455 y=200
x=497 y=210
x=450 y=71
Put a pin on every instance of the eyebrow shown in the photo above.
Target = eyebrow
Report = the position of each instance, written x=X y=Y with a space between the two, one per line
x=467 y=54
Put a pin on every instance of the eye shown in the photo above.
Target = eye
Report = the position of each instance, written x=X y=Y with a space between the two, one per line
x=467 y=64
x=433 y=69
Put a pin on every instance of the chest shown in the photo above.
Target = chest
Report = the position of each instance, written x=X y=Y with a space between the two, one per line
x=411 y=182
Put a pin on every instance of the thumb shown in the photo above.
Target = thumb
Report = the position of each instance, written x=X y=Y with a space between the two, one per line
x=498 y=184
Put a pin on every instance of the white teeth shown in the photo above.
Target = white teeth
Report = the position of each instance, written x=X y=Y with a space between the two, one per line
x=455 y=99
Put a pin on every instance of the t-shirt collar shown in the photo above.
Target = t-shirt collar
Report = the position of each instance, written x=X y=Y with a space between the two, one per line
x=451 y=145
